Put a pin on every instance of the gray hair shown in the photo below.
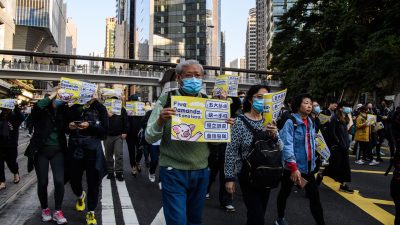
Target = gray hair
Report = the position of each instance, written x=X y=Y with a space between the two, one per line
x=190 y=62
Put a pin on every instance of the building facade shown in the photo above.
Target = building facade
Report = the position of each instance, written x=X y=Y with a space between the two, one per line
x=251 y=40
x=239 y=63
x=109 y=50
x=71 y=43
x=7 y=25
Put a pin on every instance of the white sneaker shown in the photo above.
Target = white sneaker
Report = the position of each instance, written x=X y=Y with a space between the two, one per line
x=230 y=208
x=325 y=163
x=360 y=162
x=58 y=216
x=152 y=178
x=373 y=163
x=46 y=215
x=208 y=196
x=159 y=186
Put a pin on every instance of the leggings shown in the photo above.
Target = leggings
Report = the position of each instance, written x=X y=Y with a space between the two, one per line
x=42 y=161
x=10 y=157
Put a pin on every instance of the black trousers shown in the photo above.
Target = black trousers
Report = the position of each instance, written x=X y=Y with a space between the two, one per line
x=42 y=162
x=217 y=167
x=256 y=201
x=311 y=191
x=135 y=153
x=395 y=193
x=366 y=150
x=88 y=164
x=9 y=156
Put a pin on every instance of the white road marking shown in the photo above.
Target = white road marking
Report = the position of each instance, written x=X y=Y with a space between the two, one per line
x=107 y=204
x=128 y=211
x=159 y=219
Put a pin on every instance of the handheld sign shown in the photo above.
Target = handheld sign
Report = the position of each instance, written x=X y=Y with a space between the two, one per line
x=114 y=106
x=8 y=103
x=273 y=102
x=135 y=108
x=76 y=91
x=322 y=147
x=109 y=93
x=226 y=85
x=324 y=118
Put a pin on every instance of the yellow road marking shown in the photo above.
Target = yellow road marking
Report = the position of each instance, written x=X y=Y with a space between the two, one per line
x=369 y=171
x=366 y=204
x=381 y=202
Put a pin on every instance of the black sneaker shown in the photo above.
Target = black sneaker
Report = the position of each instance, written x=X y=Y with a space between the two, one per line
x=345 y=188
x=379 y=159
x=120 y=177
x=319 y=178
x=110 y=176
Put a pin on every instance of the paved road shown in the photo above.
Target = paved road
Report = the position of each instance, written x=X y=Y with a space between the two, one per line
x=138 y=201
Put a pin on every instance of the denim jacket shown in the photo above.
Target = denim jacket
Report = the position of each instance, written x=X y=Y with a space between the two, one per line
x=295 y=146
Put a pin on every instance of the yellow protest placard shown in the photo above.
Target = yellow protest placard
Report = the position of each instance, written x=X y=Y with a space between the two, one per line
x=371 y=118
x=322 y=147
x=8 y=103
x=379 y=126
x=135 y=108
x=200 y=119
x=273 y=102
x=114 y=106
x=109 y=93
x=324 y=118
x=226 y=85
x=76 y=91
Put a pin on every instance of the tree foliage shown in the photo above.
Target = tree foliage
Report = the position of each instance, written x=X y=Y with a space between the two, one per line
x=326 y=46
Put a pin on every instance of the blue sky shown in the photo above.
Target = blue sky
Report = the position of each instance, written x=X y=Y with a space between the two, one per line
x=90 y=16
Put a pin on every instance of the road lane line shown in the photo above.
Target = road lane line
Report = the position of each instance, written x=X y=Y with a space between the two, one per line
x=365 y=204
x=370 y=171
x=381 y=202
x=128 y=211
x=159 y=219
x=107 y=204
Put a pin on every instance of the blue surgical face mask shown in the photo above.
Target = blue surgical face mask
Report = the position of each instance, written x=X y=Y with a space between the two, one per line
x=346 y=110
x=241 y=99
x=58 y=102
x=192 y=85
x=258 y=105
x=317 y=109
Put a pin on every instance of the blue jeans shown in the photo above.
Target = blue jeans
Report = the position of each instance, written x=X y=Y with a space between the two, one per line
x=154 y=156
x=184 y=193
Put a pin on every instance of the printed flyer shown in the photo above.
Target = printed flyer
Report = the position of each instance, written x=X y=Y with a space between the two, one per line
x=135 y=108
x=322 y=147
x=8 y=103
x=200 y=119
x=109 y=93
x=273 y=102
x=76 y=91
x=114 y=106
x=324 y=118
x=226 y=84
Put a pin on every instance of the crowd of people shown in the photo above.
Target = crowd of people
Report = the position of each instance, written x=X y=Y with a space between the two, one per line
x=187 y=170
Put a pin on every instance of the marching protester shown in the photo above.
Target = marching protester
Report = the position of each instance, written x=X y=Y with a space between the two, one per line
x=132 y=140
x=242 y=143
x=384 y=133
x=183 y=165
x=88 y=124
x=114 y=143
x=339 y=143
x=363 y=137
x=395 y=183
x=299 y=155
x=330 y=111
x=10 y=120
x=48 y=146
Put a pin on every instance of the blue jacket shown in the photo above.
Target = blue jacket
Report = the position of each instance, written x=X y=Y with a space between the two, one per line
x=295 y=146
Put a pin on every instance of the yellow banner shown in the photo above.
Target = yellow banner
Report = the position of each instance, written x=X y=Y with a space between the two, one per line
x=8 y=103
x=114 y=106
x=324 y=118
x=109 y=93
x=135 y=108
x=273 y=102
x=321 y=146
x=76 y=91
x=226 y=85
x=200 y=120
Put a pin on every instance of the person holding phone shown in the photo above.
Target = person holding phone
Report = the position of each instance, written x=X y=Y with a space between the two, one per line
x=299 y=155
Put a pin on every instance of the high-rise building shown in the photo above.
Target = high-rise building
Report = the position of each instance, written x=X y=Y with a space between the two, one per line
x=40 y=25
x=125 y=33
x=71 y=39
x=109 y=50
x=223 y=51
x=239 y=63
x=7 y=25
x=183 y=29
x=262 y=23
x=251 y=40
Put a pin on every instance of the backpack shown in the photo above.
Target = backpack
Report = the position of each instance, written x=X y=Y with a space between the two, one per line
x=263 y=164
x=282 y=118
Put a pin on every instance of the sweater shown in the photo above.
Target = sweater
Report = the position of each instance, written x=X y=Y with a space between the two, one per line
x=182 y=155
x=118 y=124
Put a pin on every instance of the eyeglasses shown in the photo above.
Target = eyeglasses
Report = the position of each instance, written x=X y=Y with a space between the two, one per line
x=197 y=75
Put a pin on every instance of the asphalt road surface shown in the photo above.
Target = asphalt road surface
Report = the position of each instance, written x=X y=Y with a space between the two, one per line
x=138 y=201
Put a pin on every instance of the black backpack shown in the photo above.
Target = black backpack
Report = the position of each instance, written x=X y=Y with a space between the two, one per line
x=263 y=164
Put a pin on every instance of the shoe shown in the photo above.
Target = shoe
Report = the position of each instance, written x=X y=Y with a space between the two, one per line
x=120 y=177
x=58 y=216
x=373 y=163
x=325 y=163
x=159 y=186
x=110 y=176
x=80 y=203
x=360 y=162
x=147 y=164
x=382 y=154
x=46 y=215
x=229 y=208
x=345 y=188
x=29 y=135
x=281 y=221
x=152 y=178
x=379 y=159
x=17 y=178
x=319 y=179
x=90 y=219
x=208 y=196
x=139 y=168
x=134 y=171
x=2 y=185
